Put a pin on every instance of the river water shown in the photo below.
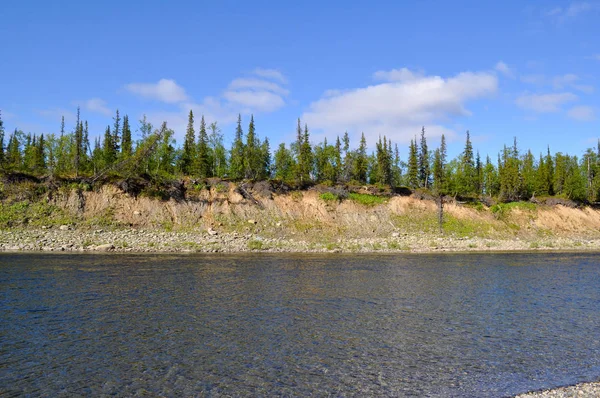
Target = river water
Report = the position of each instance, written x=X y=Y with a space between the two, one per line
x=464 y=325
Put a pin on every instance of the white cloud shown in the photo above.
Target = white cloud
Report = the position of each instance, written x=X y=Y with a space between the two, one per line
x=396 y=75
x=257 y=85
x=272 y=74
x=399 y=107
x=544 y=103
x=582 y=113
x=577 y=8
x=165 y=90
x=505 y=70
x=244 y=95
x=559 y=82
x=553 y=12
x=255 y=94
x=584 y=88
x=96 y=105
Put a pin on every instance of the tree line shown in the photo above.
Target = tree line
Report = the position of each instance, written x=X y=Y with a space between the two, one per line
x=515 y=175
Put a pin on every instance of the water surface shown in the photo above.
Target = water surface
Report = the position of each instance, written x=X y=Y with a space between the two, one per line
x=464 y=325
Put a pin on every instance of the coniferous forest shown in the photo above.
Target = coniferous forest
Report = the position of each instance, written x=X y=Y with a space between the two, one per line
x=512 y=174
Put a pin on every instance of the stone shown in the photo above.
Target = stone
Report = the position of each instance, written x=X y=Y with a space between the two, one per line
x=137 y=213
x=395 y=234
x=64 y=228
x=252 y=222
x=212 y=232
x=105 y=248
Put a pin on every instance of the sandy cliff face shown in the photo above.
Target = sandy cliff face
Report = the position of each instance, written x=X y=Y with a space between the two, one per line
x=305 y=213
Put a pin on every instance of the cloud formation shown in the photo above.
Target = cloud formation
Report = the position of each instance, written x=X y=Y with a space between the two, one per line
x=582 y=113
x=545 y=103
x=97 y=105
x=263 y=91
x=165 y=90
x=256 y=94
x=400 y=105
x=505 y=70
x=272 y=74
x=575 y=9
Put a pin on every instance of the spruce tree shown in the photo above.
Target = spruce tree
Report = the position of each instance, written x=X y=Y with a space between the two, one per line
x=108 y=149
x=236 y=162
x=466 y=173
x=361 y=162
x=424 y=168
x=413 y=165
x=265 y=158
x=284 y=164
x=203 y=157
x=252 y=153
x=2 y=156
x=307 y=157
x=13 y=152
x=116 y=139
x=126 y=143
x=188 y=156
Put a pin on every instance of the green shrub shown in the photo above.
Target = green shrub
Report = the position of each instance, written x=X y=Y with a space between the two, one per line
x=366 y=199
x=328 y=197
x=255 y=245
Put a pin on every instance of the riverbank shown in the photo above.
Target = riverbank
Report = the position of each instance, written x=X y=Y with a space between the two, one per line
x=584 y=390
x=229 y=217
x=74 y=239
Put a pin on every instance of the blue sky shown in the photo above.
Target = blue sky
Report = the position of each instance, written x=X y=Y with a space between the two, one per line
x=498 y=69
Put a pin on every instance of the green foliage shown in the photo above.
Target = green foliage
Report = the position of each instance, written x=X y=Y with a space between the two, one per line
x=26 y=213
x=366 y=199
x=329 y=197
x=255 y=244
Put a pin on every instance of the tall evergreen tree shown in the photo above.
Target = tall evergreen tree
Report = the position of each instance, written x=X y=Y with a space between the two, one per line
x=2 y=156
x=126 y=143
x=116 y=139
x=361 y=162
x=203 y=157
x=236 y=162
x=252 y=153
x=188 y=156
x=108 y=149
x=467 y=173
x=423 y=160
x=413 y=165
x=284 y=164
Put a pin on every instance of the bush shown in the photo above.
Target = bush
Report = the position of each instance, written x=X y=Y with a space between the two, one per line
x=255 y=245
x=328 y=197
x=366 y=199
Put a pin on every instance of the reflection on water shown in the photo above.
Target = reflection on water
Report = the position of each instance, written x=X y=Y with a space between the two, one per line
x=408 y=325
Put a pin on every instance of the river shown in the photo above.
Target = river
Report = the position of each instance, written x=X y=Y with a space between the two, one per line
x=464 y=325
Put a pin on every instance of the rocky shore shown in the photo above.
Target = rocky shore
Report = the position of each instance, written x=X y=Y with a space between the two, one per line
x=74 y=239
x=584 y=390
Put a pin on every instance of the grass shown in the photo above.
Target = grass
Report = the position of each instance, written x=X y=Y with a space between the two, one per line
x=502 y=210
x=329 y=197
x=255 y=245
x=366 y=199
x=25 y=213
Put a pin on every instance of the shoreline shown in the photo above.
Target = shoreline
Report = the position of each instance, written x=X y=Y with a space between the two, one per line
x=584 y=390
x=130 y=240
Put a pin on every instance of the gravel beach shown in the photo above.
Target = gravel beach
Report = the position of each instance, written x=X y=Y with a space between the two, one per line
x=584 y=390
